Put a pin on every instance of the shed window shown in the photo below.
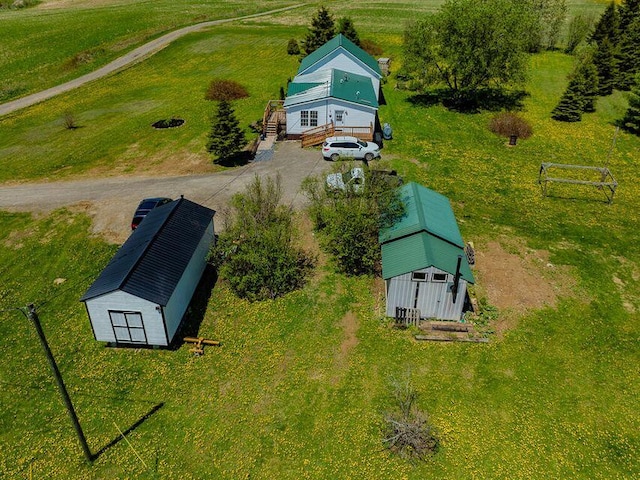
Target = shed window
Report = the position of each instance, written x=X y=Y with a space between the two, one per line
x=439 y=277
x=128 y=327
x=313 y=118
x=339 y=114
x=419 y=276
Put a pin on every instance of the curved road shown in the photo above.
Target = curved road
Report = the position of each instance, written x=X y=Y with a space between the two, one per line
x=130 y=58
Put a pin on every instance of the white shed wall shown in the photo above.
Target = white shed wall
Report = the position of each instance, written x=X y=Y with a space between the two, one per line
x=98 y=309
x=181 y=296
x=435 y=299
x=354 y=115
x=341 y=60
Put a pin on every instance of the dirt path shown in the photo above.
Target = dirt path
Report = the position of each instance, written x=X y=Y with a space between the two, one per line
x=137 y=55
x=111 y=201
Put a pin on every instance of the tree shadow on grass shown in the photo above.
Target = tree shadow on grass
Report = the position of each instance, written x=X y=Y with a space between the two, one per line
x=487 y=99
x=126 y=432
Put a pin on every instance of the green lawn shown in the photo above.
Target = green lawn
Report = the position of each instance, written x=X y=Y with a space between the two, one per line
x=299 y=385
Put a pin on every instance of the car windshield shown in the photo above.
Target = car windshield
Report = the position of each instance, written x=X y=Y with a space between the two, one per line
x=361 y=143
x=147 y=205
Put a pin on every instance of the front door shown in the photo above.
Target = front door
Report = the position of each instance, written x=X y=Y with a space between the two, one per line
x=128 y=327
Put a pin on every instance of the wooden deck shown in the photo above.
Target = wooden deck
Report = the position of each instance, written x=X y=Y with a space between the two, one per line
x=316 y=135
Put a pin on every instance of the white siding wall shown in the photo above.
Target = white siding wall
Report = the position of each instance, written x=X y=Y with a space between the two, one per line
x=341 y=60
x=355 y=116
x=99 y=307
x=179 y=301
x=435 y=299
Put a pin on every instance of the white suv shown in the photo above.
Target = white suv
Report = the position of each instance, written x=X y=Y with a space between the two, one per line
x=334 y=148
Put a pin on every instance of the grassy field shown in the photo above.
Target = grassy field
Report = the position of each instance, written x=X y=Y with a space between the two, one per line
x=299 y=386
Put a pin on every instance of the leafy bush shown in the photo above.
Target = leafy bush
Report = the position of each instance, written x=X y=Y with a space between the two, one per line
x=255 y=251
x=293 y=48
x=225 y=90
x=508 y=124
x=371 y=47
x=348 y=221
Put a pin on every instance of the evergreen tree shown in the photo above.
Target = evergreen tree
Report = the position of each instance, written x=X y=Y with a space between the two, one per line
x=608 y=26
x=589 y=74
x=629 y=55
x=572 y=103
x=628 y=11
x=226 y=138
x=346 y=28
x=321 y=31
x=605 y=61
x=631 y=120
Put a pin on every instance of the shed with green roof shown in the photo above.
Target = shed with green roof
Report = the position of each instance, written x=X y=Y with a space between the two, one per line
x=423 y=260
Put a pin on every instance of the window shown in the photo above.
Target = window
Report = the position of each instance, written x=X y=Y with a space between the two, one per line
x=339 y=115
x=308 y=118
x=419 y=276
x=439 y=277
x=128 y=327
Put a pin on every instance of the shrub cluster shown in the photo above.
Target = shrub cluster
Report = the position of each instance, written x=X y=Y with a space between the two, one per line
x=371 y=47
x=225 y=90
x=348 y=221
x=508 y=124
x=255 y=251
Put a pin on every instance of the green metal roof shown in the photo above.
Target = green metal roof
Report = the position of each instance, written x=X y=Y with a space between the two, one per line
x=333 y=44
x=295 y=88
x=426 y=210
x=353 y=88
x=427 y=235
x=332 y=83
x=422 y=250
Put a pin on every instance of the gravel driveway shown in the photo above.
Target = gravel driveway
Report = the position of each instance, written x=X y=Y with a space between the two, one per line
x=111 y=201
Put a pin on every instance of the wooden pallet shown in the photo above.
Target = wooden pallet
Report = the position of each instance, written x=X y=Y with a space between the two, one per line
x=199 y=343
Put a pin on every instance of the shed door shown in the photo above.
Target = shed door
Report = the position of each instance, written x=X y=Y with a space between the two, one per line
x=128 y=327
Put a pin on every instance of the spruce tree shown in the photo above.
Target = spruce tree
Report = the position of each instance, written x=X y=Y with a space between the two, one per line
x=631 y=120
x=628 y=11
x=629 y=55
x=589 y=73
x=605 y=61
x=321 y=31
x=608 y=26
x=226 y=138
x=346 y=28
x=571 y=104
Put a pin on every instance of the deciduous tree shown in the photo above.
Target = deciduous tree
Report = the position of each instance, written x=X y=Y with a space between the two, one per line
x=470 y=44
x=255 y=252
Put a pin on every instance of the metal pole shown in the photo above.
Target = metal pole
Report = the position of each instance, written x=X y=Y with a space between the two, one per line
x=33 y=316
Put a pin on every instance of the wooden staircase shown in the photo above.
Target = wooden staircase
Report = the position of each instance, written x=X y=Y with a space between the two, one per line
x=274 y=116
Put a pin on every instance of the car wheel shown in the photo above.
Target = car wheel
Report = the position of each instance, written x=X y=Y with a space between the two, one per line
x=368 y=157
x=335 y=157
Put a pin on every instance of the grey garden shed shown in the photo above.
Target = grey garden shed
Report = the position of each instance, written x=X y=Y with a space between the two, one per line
x=143 y=293
x=423 y=261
